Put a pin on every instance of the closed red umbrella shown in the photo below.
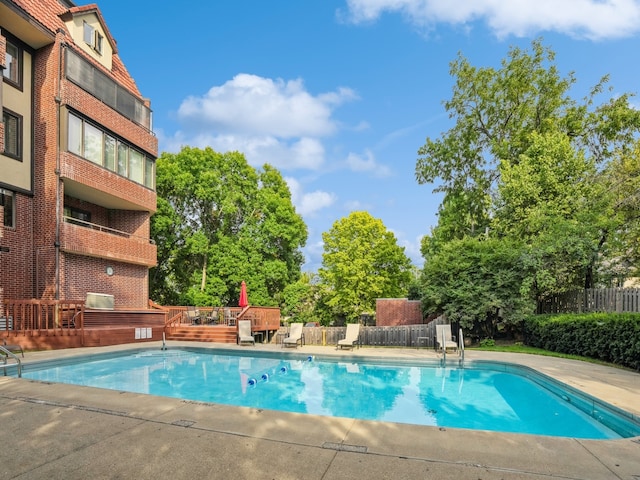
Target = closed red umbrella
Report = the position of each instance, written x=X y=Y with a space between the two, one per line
x=244 y=300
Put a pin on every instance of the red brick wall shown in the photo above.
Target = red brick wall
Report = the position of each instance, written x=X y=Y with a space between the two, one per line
x=82 y=101
x=16 y=265
x=128 y=284
x=46 y=69
x=29 y=269
x=391 y=312
x=90 y=174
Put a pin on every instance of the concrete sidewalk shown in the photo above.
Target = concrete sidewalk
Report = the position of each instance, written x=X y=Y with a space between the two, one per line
x=54 y=431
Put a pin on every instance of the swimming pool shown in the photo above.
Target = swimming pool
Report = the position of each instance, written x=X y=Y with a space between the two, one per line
x=483 y=395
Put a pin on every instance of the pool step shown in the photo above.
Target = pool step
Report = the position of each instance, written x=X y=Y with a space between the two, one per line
x=218 y=333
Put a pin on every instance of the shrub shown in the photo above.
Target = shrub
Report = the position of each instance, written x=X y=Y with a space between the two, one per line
x=610 y=337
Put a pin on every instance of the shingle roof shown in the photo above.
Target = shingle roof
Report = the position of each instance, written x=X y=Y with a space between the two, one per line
x=50 y=14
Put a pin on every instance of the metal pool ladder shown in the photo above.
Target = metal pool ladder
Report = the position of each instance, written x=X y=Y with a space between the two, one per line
x=8 y=354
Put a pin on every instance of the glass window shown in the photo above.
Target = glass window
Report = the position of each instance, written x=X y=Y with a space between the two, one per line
x=12 y=134
x=88 y=34
x=13 y=61
x=123 y=152
x=149 y=173
x=99 y=42
x=136 y=166
x=73 y=214
x=109 y=152
x=74 y=136
x=92 y=143
x=7 y=200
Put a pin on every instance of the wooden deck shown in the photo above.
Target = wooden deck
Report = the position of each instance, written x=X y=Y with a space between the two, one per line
x=55 y=324
x=204 y=333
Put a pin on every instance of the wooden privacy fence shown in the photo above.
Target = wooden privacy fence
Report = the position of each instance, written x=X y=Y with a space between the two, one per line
x=400 y=336
x=609 y=300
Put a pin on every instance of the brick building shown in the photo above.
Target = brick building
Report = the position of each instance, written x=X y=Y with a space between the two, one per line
x=393 y=312
x=77 y=159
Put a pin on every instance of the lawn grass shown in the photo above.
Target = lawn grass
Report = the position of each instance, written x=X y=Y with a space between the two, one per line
x=519 y=348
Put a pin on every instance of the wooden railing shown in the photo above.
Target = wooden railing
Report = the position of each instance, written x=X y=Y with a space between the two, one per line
x=57 y=316
x=262 y=318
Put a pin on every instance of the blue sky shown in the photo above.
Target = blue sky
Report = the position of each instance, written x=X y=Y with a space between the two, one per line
x=339 y=95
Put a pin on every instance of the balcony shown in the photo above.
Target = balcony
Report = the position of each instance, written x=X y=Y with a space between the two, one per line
x=93 y=183
x=89 y=239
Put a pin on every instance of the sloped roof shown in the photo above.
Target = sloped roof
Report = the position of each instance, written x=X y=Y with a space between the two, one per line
x=51 y=14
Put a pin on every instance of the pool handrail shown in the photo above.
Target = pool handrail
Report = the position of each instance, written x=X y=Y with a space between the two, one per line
x=9 y=353
x=461 y=344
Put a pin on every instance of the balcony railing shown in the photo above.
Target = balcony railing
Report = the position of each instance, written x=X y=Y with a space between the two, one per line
x=85 y=238
x=102 y=228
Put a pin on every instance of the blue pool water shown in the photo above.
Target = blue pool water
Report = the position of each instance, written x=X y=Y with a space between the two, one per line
x=474 y=398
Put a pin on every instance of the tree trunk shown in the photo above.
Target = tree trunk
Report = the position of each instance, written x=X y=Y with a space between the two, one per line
x=204 y=273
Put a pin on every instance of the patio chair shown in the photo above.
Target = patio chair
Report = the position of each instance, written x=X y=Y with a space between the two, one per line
x=295 y=336
x=13 y=348
x=244 y=332
x=443 y=334
x=351 y=336
x=214 y=316
x=229 y=317
x=192 y=315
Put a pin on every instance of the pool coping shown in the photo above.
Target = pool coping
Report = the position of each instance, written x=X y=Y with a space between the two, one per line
x=329 y=447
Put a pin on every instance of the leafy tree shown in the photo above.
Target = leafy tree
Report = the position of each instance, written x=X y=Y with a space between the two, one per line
x=495 y=113
x=477 y=283
x=361 y=262
x=300 y=297
x=620 y=257
x=220 y=222
x=524 y=158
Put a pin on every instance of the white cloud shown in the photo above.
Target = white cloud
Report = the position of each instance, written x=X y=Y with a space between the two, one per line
x=307 y=204
x=269 y=121
x=253 y=105
x=594 y=19
x=367 y=163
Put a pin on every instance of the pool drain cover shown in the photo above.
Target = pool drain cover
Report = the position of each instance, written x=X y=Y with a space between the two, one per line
x=343 y=447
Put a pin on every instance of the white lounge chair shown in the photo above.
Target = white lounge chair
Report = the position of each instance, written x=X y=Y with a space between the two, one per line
x=443 y=334
x=244 y=332
x=295 y=336
x=351 y=337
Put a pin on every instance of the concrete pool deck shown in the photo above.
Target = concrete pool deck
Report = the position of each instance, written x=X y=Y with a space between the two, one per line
x=54 y=431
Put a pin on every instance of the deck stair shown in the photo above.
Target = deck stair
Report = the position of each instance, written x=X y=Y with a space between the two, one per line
x=195 y=333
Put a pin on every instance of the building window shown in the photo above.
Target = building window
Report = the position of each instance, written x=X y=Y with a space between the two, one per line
x=13 y=61
x=88 y=34
x=12 y=134
x=136 y=166
x=77 y=216
x=104 y=88
x=99 y=43
x=93 y=143
x=7 y=200
x=92 y=37
x=88 y=141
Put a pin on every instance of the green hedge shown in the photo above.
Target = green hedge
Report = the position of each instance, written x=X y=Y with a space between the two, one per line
x=611 y=337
